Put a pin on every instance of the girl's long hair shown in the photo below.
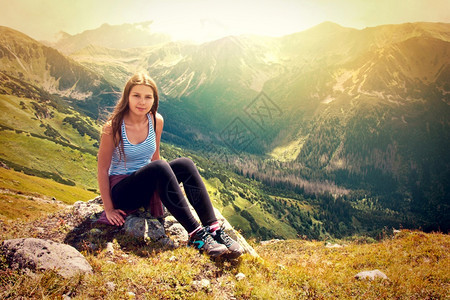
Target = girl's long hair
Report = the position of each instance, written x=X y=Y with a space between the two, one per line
x=122 y=107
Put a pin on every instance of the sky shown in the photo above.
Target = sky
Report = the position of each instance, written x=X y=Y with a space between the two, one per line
x=203 y=20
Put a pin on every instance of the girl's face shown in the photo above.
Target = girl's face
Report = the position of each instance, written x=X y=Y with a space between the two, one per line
x=140 y=99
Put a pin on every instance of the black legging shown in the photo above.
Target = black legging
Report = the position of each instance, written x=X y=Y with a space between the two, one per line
x=136 y=190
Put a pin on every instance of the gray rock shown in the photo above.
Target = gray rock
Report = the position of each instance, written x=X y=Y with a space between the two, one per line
x=144 y=228
x=38 y=254
x=178 y=233
x=371 y=275
x=201 y=284
x=142 y=225
x=89 y=208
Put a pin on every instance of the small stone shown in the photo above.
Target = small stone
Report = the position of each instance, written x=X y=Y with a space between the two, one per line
x=131 y=295
x=371 y=275
x=95 y=231
x=109 y=248
x=110 y=285
x=199 y=284
x=240 y=276
x=329 y=245
x=93 y=246
x=173 y=258
x=270 y=242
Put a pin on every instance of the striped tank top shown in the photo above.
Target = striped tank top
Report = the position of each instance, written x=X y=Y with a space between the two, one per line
x=136 y=156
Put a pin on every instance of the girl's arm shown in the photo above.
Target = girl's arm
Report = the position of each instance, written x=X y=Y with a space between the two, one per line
x=159 y=129
x=105 y=153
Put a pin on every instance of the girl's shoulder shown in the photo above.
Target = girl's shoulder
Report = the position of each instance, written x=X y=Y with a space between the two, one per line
x=159 y=117
x=107 y=128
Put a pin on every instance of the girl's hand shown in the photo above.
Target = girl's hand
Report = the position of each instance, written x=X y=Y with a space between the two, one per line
x=115 y=216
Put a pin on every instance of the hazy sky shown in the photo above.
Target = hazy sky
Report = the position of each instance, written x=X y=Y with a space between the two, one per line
x=202 y=20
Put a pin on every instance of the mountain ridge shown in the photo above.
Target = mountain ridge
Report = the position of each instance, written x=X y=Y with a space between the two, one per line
x=345 y=106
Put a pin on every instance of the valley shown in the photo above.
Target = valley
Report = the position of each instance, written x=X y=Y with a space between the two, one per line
x=331 y=131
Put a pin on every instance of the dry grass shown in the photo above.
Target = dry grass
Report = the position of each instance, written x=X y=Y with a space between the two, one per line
x=416 y=263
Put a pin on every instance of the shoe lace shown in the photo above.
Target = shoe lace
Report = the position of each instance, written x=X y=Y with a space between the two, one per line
x=228 y=241
x=207 y=238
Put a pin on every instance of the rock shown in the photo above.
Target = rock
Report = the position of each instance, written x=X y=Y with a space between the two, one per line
x=142 y=225
x=95 y=231
x=201 y=284
x=38 y=254
x=144 y=228
x=88 y=209
x=270 y=242
x=109 y=248
x=329 y=245
x=178 y=233
x=240 y=276
x=131 y=295
x=111 y=286
x=371 y=275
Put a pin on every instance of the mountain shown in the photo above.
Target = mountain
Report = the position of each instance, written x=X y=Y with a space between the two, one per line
x=45 y=99
x=111 y=36
x=362 y=114
x=362 y=108
x=33 y=64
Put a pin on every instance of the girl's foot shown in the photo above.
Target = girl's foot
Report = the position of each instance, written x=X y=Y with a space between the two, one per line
x=220 y=236
x=203 y=241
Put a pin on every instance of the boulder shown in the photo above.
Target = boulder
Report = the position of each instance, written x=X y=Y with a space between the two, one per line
x=38 y=254
x=89 y=208
x=143 y=226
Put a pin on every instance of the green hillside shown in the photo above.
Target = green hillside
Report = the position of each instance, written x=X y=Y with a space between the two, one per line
x=47 y=140
x=43 y=139
x=350 y=123
x=415 y=263
x=20 y=183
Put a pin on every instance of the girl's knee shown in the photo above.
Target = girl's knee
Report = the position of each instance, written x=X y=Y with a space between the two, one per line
x=184 y=162
x=163 y=167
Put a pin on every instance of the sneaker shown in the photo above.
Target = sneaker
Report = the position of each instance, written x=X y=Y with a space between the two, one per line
x=235 y=250
x=203 y=241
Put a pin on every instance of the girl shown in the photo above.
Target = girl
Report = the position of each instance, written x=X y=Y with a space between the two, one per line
x=130 y=170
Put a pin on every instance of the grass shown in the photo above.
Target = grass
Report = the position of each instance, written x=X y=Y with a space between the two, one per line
x=36 y=186
x=18 y=113
x=44 y=155
x=416 y=264
x=25 y=207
